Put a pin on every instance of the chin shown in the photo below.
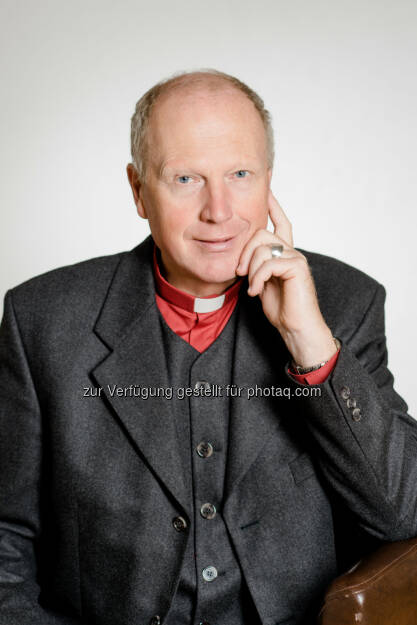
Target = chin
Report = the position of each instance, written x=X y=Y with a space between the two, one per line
x=218 y=275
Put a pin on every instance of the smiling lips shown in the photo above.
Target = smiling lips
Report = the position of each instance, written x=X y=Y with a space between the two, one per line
x=217 y=245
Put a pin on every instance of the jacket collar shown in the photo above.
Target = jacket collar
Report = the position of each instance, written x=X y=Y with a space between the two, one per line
x=131 y=293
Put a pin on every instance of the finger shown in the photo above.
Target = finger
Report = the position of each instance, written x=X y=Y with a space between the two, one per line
x=284 y=268
x=261 y=237
x=261 y=254
x=280 y=221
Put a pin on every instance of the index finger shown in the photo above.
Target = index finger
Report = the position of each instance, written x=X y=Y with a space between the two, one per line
x=280 y=221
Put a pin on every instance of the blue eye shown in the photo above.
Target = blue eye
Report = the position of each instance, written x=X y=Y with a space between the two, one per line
x=241 y=173
x=183 y=179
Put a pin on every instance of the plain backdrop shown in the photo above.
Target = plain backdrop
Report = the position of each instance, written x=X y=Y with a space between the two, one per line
x=338 y=77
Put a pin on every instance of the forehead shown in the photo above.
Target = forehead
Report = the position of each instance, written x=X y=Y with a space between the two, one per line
x=190 y=121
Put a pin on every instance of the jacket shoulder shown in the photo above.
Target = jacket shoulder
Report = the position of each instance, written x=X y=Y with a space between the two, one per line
x=344 y=292
x=73 y=290
x=84 y=275
x=71 y=297
x=334 y=271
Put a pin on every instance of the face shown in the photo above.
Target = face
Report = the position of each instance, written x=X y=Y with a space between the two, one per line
x=206 y=186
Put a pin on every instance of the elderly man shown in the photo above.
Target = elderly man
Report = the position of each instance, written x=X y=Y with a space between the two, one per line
x=202 y=430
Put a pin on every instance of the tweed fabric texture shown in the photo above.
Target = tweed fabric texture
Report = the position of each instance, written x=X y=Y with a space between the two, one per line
x=90 y=483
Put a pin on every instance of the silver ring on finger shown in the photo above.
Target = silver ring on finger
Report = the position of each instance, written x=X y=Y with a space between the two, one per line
x=276 y=250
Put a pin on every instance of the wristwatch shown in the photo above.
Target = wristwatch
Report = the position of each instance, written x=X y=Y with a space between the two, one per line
x=302 y=370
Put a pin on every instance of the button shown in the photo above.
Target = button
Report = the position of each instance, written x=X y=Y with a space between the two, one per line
x=208 y=510
x=179 y=523
x=204 y=449
x=209 y=573
x=204 y=623
x=356 y=414
x=351 y=403
x=155 y=620
x=202 y=384
x=345 y=392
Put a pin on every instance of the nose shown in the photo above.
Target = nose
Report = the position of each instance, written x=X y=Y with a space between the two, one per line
x=217 y=206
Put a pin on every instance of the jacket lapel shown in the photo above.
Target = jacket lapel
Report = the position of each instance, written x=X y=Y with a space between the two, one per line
x=259 y=361
x=129 y=326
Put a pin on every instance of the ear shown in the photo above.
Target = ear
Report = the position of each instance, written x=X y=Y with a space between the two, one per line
x=136 y=186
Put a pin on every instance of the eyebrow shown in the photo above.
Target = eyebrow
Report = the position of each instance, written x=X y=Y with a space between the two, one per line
x=171 y=167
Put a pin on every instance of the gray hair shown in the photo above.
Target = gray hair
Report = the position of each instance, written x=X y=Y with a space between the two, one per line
x=206 y=77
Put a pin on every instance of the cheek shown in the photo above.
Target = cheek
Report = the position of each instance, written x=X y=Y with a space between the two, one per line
x=256 y=213
x=170 y=222
x=253 y=204
x=166 y=215
x=262 y=220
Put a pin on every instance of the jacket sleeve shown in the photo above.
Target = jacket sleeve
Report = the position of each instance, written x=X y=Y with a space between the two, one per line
x=20 y=483
x=363 y=440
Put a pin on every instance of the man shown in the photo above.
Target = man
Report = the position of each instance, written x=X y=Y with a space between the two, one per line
x=202 y=430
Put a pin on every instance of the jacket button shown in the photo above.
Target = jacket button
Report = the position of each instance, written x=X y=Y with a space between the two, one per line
x=155 y=620
x=345 y=392
x=202 y=384
x=351 y=403
x=356 y=414
x=179 y=523
x=209 y=573
x=208 y=510
x=204 y=449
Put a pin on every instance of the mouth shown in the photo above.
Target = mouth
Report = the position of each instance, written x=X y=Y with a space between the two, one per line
x=217 y=245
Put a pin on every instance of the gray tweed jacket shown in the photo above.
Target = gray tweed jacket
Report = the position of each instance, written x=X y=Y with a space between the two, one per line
x=91 y=476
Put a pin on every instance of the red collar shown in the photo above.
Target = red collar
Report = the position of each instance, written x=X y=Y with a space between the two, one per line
x=187 y=301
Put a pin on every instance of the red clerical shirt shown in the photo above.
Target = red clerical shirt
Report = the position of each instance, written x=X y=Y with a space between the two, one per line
x=200 y=320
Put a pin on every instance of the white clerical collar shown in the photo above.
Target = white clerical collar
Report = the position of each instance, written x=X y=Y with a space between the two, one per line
x=208 y=304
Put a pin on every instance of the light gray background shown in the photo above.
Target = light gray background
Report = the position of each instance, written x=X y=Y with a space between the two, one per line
x=338 y=77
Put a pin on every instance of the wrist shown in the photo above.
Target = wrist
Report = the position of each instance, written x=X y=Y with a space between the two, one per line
x=311 y=350
x=299 y=370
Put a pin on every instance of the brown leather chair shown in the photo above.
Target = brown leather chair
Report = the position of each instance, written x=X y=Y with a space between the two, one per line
x=380 y=590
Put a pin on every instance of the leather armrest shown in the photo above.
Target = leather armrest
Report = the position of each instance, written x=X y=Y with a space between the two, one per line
x=380 y=590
